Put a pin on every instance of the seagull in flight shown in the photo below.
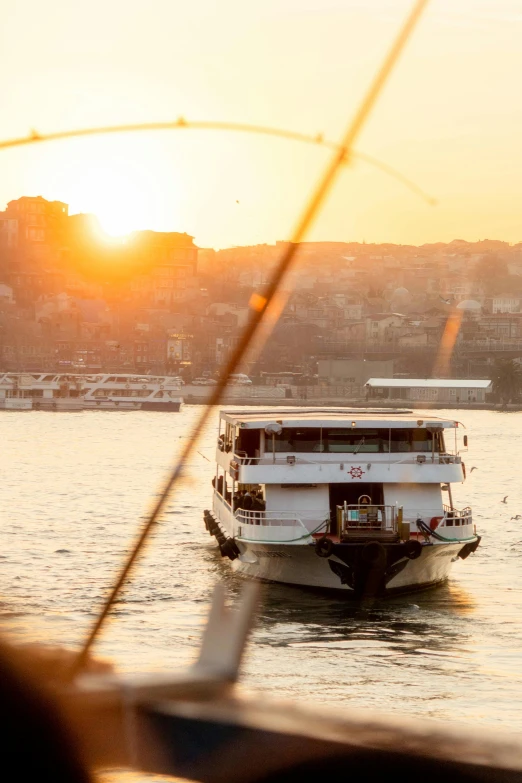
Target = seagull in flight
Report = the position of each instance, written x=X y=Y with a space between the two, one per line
x=505 y=499
x=475 y=468
x=446 y=301
x=518 y=516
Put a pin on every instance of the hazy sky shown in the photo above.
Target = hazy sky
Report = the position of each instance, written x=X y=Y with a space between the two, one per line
x=450 y=118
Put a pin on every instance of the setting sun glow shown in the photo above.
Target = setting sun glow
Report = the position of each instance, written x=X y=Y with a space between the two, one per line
x=448 y=119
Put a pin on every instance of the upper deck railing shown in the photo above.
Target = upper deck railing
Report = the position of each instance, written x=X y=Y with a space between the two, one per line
x=454 y=517
x=396 y=458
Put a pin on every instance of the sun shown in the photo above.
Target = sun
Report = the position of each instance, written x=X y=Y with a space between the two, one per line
x=126 y=184
x=117 y=198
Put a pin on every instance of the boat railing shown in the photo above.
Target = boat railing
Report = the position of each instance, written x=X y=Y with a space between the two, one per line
x=438 y=517
x=454 y=517
x=278 y=518
x=242 y=458
x=449 y=459
x=384 y=457
x=361 y=517
x=219 y=500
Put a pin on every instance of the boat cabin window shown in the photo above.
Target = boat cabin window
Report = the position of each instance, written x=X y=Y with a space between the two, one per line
x=306 y=439
x=359 y=440
x=416 y=440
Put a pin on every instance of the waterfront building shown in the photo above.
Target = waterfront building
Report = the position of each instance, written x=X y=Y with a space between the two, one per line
x=428 y=389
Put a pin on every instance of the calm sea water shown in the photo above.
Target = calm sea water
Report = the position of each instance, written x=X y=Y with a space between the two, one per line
x=73 y=488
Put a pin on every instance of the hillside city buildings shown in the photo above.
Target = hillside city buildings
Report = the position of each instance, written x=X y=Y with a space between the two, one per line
x=155 y=302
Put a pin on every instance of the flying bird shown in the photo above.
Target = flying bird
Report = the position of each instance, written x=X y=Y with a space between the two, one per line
x=518 y=516
x=446 y=301
x=473 y=468
x=505 y=499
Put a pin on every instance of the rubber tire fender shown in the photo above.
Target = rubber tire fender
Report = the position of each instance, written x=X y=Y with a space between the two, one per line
x=412 y=549
x=324 y=547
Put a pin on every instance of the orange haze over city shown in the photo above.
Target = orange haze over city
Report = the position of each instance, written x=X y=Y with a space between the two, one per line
x=449 y=120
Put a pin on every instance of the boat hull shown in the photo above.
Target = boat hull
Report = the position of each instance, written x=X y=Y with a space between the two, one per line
x=346 y=570
x=161 y=406
x=125 y=405
x=17 y=404
x=69 y=404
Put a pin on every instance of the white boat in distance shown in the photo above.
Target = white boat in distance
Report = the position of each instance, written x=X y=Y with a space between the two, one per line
x=103 y=391
x=108 y=391
x=340 y=499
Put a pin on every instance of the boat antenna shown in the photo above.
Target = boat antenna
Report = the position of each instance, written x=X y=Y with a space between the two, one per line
x=259 y=305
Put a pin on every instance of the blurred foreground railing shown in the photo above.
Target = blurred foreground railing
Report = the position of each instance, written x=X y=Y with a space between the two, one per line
x=198 y=726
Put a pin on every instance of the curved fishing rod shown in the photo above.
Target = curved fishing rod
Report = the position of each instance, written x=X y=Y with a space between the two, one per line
x=35 y=137
x=259 y=307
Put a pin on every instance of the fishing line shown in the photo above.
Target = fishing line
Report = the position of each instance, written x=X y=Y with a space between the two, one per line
x=238 y=127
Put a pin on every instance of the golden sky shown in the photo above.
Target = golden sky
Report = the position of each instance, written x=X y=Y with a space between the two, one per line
x=450 y=118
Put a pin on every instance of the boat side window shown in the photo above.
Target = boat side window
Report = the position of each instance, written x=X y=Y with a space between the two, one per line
x=400 y=440
x=422 y=440
x=307 y=439
x=413 y=440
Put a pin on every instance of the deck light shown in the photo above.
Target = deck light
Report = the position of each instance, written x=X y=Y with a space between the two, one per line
x=290 y=460
x=421 y=459
x=353 y=424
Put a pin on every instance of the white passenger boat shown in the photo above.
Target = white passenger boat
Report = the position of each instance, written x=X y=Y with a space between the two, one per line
x=77 y=392
x=121 y=391
x=40 y=391
x=338 y=499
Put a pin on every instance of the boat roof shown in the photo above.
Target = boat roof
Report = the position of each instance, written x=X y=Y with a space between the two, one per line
x=430 y=383
x=333 y=417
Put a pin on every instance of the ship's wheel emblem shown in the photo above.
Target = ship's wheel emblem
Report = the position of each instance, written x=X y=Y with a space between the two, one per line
x=356 y=472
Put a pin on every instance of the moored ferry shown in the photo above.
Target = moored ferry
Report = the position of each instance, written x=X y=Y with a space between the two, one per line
x=113 y=391
x=338 y=499
x=78 y=392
